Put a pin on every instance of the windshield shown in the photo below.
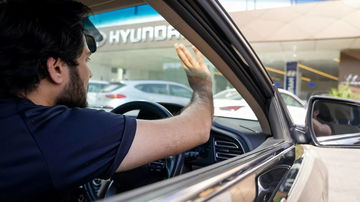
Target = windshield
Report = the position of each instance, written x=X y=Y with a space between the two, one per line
x=308 y=47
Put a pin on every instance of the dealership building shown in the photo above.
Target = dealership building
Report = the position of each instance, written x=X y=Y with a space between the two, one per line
x=307 y=46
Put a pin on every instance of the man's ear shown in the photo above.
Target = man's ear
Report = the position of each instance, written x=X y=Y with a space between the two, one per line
x=57 y=70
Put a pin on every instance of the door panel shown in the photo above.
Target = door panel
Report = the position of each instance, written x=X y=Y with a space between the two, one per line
x=227 y=176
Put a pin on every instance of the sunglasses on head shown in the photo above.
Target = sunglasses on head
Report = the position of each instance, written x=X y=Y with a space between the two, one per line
x=91 y=43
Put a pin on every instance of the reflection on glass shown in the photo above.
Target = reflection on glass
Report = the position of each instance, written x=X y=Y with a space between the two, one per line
x=335 y=119
x=321 y=119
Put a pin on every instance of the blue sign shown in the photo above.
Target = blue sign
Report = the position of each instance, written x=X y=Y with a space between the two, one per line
x=291 y=77
x=277 y=84
x=142 y=13
x=312 y=84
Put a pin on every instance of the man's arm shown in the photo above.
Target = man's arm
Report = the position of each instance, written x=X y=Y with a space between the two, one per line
x=321 y=129
x=157 y=139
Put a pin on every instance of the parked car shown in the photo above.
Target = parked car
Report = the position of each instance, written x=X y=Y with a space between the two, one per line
x=94 y=88
x=115 y=94
x=229 y=103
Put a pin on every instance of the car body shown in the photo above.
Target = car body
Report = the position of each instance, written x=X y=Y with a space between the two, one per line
x=229 y=103
x=117 y=93
x=95 y=87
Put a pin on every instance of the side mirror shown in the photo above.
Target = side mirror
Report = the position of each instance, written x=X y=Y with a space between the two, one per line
x=333 y=121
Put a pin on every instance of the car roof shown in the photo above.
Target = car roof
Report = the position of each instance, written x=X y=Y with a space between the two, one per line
x=134 y=82
x=282 y=91
x=287 y=92
x=98 y=81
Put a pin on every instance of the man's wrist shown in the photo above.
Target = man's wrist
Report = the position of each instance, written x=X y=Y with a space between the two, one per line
x=204 y=98
x=203 y=92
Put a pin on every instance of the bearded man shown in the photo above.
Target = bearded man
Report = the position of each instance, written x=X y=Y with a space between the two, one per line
x=49 y=142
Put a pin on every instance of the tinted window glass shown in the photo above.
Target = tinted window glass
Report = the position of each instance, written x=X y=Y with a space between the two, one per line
x=153 y=88
x=96 y=87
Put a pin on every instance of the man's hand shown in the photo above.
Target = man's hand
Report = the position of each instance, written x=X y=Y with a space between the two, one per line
x=197 y=72
x=321 y=129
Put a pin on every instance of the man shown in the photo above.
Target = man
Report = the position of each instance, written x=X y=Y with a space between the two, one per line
x=321 y=120
x=50 y=143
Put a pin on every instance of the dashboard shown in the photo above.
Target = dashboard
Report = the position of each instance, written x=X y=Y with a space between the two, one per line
x=224 y=143
x=229 y=137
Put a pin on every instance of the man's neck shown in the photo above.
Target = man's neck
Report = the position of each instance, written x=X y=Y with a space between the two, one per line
x=45 y=94
x=39 y=100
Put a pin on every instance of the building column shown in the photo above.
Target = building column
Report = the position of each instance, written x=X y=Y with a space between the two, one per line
x=349 y=69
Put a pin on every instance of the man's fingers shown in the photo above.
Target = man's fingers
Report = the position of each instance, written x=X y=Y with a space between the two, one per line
x=199 y=57
x=187 y=59
x=189 y=56
x=182 y=56
x=183 y=64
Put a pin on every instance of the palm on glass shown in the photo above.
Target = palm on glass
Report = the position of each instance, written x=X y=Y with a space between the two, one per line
x=197 y=72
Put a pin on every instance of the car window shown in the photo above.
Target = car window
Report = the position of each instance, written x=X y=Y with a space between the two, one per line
x=112 y=87
x=96 y=87
x=180 y=91
x=290 y=101
x=137 y=45
x=153 y=88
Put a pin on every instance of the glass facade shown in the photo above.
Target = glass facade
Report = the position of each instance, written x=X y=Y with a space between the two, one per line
x=308 y=47
x=318 y=59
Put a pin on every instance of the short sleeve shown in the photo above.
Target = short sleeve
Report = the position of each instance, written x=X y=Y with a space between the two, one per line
x=81 y=144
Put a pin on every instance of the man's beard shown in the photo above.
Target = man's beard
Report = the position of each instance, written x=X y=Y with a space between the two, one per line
x=74 y=93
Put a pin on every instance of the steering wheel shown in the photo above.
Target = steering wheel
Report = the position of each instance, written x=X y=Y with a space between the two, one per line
x=151 y=110
x=97 y=189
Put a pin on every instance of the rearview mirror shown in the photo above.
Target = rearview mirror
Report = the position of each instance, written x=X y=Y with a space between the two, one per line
x=333 y=121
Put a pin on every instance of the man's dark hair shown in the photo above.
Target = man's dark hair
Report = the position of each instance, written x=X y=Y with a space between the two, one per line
x=30 y=33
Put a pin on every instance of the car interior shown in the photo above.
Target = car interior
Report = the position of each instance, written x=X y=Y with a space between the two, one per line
x=230 y=137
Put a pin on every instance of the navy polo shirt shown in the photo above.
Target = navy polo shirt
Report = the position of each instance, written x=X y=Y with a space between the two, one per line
x=46 y=151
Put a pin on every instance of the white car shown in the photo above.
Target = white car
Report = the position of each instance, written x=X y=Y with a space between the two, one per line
x=229 y=103
x=94 y=88
x=119 y=93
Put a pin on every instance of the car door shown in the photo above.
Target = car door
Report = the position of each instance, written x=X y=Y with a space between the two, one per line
x=255 y=175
